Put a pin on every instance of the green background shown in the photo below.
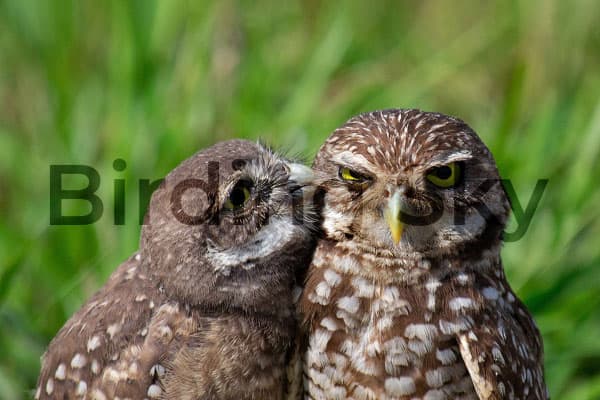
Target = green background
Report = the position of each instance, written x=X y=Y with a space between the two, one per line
x=85 y=82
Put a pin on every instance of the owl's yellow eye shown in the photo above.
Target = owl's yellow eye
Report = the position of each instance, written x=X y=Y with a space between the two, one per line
x=445 y=176
x=352 y=176
x=239 y=195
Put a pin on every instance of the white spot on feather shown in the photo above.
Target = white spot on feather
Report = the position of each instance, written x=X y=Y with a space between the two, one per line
x=319 y=339
x=446 y=356
x=154 y=391
x=78 y=361
x=61 y=372
x=113 y=329
x=50 y=386
x=490 y=293
x=98 y=394
x=329 y=324
x=93 y=343
x=363 y=287
x=461 y=303
x=323 y=290
x=157 y=370
x=350 y=304
x=332 y=278
x=95 y=367
x=81 y=388
x=403 y=386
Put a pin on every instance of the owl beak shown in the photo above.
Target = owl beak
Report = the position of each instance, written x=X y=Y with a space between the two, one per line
x=392 y=215
x=300 y=174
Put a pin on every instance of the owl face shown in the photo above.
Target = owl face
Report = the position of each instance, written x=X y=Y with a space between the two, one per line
x=410 y=181
x=230 y=226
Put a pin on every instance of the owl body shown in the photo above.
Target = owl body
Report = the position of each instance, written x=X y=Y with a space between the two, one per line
x=401 y=338
x=410 y=306
x=192 y=314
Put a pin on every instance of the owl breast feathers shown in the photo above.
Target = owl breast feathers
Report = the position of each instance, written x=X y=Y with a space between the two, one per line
x=192 y=314
x=406 y=297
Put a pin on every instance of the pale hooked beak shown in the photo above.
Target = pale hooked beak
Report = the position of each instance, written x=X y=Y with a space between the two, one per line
x=300 y=174
x=392 y=214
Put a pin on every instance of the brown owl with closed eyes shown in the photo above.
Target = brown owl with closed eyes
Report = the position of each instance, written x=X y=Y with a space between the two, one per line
x=406 y=297
x=204 y=310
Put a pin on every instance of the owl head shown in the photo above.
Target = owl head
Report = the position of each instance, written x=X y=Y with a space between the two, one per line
x=229 y=227
x=410 y=182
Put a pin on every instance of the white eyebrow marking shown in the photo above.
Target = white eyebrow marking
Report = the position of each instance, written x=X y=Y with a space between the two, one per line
x=278 y=232
x=350 y=158
x=448 y=158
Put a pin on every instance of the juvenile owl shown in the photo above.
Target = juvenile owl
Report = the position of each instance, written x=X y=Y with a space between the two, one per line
x=204 y=309
x=406 y=297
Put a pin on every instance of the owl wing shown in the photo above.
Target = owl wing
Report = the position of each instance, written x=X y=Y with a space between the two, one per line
x=503 y=353
x=115 y=344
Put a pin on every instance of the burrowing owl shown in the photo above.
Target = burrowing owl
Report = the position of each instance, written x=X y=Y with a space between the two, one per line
x=406 y=297
x=204 y=309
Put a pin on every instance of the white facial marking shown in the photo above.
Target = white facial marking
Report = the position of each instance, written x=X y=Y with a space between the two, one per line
x=277 y=233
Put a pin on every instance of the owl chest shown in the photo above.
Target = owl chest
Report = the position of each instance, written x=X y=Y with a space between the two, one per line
x=385 y=343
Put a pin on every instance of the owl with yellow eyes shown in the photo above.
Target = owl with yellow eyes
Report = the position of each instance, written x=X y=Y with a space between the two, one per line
x=406 y=297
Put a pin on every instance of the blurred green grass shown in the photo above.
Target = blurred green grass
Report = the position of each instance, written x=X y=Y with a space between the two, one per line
x=153 y=81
